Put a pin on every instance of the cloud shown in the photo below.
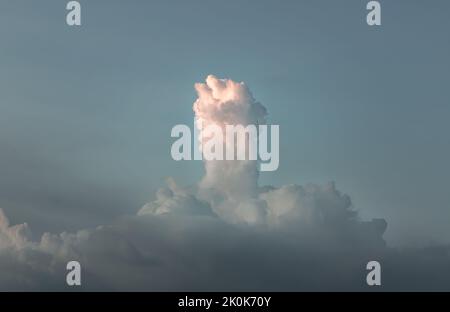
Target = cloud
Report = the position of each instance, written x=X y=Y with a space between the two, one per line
x=181 y=251
x=13 y=236
x=231 y=186
x=226 y=233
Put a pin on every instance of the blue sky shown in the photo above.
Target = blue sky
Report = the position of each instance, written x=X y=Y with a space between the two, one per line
x=86 y=113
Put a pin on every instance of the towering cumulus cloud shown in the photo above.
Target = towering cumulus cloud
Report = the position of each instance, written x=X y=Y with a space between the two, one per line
x=225 y=233
x=230 y=185
x=234 y=182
